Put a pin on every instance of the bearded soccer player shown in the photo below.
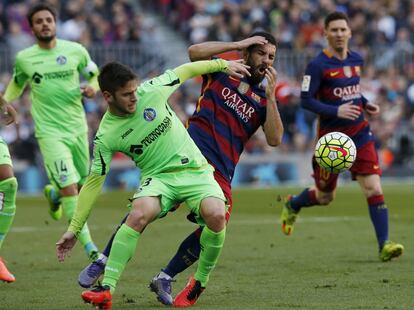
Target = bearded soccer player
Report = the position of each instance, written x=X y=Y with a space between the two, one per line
x=51 y=68
x=140 y=124
x=230 y=110
x=331 y=89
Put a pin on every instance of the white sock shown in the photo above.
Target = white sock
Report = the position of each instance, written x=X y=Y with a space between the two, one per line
x=102 y=258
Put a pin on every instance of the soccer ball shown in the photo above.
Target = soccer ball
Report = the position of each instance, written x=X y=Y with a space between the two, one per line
x=335 y=152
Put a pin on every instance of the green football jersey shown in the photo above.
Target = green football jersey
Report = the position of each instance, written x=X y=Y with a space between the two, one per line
x=53 y=75
x=153 y=136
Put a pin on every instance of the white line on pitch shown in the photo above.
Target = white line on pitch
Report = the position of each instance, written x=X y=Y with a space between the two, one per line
x=235 y=222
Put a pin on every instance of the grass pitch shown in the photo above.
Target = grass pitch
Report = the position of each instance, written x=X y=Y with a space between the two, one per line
x=330 y=261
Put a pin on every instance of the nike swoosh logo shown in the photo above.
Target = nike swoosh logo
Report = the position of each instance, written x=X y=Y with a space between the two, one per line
x=334 y=73
x=339 y=149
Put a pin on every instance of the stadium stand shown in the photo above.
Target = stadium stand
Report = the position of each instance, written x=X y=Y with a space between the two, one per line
x=153 y=35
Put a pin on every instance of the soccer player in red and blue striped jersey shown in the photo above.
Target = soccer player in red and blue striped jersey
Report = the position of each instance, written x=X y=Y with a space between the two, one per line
x=331 y=89
x=229 y=111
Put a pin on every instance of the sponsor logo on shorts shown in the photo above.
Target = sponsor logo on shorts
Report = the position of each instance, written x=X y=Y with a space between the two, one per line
x=63 y=178
x=150 y=114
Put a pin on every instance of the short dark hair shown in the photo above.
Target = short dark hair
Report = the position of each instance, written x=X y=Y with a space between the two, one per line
x=40 y=7
x=335 y=16
x=268 y=36
x=113 y=76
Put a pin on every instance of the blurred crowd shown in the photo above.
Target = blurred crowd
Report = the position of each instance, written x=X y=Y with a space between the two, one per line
x=382 y=32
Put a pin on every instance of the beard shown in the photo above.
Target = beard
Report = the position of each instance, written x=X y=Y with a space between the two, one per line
x=256 y=76
x=45 y=39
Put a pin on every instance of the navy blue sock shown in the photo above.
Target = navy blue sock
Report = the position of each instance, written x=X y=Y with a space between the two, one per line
x=378 y=212
x=305 y=199
x=108 y=247
x=187 y=254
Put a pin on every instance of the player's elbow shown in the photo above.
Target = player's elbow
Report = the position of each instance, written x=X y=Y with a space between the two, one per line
x=275 y=140
x=274 y=136
x=194 y=52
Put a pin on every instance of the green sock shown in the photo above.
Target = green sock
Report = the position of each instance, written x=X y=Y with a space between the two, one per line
x=123 y=248
x=211 y=245
x=8 y=189
x=69 y=205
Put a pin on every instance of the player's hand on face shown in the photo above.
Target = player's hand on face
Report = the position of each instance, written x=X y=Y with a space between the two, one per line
x=349 y=111
x=65 y=245
x=271 y=78
x=87 y=91
x=251 y=41
x=237 y=69
x=372 y=109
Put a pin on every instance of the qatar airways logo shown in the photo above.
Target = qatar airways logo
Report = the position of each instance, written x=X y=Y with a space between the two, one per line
x=348 y=93
x=233 y=101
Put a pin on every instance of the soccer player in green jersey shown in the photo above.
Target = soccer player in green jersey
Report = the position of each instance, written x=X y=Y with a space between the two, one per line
x=8 y=189
x=140 y=124
x=52 y=68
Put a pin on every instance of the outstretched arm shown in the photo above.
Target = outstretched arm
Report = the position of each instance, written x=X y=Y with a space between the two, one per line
x=192 y=69
x=87 y=197
x=206 y=50
x=13 y=91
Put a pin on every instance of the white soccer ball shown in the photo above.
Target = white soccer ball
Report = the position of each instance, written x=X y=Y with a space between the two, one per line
x=335 y=152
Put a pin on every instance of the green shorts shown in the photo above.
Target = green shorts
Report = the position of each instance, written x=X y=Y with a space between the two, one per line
x=5 y=158
x=190 y=186
x=66 y=159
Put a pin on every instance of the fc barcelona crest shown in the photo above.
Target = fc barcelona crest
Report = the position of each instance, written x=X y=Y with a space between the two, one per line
x=358 y=70
x=243 y=87
x=348 y=71
x=256 y=97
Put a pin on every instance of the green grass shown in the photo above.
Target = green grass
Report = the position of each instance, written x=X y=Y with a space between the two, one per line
x=330 y=262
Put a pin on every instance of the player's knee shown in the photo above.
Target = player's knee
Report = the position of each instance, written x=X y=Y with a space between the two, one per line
x=325 y=199
x=70 y=190
x=215 y=217
x=373 y=190
x=137 y=220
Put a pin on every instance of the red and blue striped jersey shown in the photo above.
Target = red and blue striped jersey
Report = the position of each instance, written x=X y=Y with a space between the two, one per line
x=228 y=113
x=329 y=82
